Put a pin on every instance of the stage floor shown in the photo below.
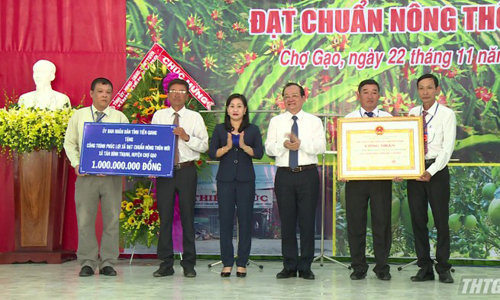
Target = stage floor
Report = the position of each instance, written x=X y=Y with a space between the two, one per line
x=42 y=281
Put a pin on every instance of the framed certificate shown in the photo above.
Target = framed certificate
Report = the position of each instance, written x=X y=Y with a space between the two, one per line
x=380 y=148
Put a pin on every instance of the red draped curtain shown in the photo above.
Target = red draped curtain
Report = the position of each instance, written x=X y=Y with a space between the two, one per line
x=84 y=39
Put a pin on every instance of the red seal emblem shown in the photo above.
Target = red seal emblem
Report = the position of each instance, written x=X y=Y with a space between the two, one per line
x=379 y=130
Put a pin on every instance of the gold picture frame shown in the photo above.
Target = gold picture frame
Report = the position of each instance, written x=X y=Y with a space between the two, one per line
x=380 y=148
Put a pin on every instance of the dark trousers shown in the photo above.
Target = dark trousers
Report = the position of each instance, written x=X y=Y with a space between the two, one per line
x=184 y=184
x=379 y=194
x=297 y=195
x=436 y=192
x=241 y=194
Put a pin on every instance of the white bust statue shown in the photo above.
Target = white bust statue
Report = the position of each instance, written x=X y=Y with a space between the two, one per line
x=44 y=97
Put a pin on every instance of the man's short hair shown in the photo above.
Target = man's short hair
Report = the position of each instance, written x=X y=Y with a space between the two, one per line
x=178 y=81
x=425 y=76
x=368 y=81
x=100 y=80
x=302 y=92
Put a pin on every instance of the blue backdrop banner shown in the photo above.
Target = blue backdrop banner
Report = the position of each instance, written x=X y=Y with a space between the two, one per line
x=127 y=149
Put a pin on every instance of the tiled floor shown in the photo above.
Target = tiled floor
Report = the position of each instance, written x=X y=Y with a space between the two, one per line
x=42 y=281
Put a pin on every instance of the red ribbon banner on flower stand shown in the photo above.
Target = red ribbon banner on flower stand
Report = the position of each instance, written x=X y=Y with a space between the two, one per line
x=158 y=53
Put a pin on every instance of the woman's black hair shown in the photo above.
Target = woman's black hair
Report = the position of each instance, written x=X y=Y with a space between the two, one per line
x=227 y=120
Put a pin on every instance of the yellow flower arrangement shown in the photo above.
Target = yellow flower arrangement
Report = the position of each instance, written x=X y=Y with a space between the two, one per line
x=139 y=217
x=27 y=130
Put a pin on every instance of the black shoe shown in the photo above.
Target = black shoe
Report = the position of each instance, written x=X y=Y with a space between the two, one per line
x=384 y=276
x=285 y=273
x=423 y=275
x=358 y=275
x=241 y=274
x=189 y=272
x=446 y=277
x=308 y=274
x=164 y=271
x=107 y=271
x=86 y=271
x=225 y=274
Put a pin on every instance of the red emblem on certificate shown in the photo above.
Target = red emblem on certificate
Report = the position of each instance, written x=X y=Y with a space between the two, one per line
x=379 y=130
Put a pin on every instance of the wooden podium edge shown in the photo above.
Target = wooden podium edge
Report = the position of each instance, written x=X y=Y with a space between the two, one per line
x=55 y=257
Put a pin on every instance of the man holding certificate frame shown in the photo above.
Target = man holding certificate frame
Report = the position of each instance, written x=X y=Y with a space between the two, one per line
x=376 y=193
x=433 y=187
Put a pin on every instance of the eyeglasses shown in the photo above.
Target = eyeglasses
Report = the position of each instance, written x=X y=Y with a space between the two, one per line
x=177 y=92
x=293 y=96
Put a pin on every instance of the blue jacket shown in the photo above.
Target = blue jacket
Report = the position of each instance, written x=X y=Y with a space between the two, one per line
x=236 y=164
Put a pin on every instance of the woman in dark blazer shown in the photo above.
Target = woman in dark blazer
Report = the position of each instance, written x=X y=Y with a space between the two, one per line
x=235 y=143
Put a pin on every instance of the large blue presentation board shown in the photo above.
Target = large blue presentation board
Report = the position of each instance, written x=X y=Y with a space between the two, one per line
x=127 y=149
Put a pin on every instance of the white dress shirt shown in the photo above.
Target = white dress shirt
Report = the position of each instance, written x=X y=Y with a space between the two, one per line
x=193 y=125
x=311 y=136
x=360 y=113
x=441 y=134
x=74 y=131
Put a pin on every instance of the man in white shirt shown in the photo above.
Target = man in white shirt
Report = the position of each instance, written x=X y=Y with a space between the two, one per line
x=376 y=193
x=92 y=189
x=433 y=187
x=192 y=139
x=295 y=138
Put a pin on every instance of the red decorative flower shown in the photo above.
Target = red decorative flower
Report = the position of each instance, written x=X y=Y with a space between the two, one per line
x=239 y=27
x=483 y=93
x=137 y=202
x=209 y=62
x=220 y=35
x=250 y=56
x=154 y=216
x=154 y=206
x=279 y=101
x=339 y=43
x=275 y=47
x=191 y=22
x=151 y=21
x=239 y=69
x=183 y=45
x=139 y=212
x=407 y=70
x=452 y=73
x=215 y=14
x=326 y=78
x=442 y=100
x=199 y=162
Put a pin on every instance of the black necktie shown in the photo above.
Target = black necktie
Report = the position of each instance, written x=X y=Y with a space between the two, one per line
x=370 y=114
x=293 y=159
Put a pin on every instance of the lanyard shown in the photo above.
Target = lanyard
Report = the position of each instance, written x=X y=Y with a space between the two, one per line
x=435 y=112
x=93 y=118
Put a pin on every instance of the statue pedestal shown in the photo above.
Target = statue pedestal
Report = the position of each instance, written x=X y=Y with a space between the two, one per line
x=40 y=181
